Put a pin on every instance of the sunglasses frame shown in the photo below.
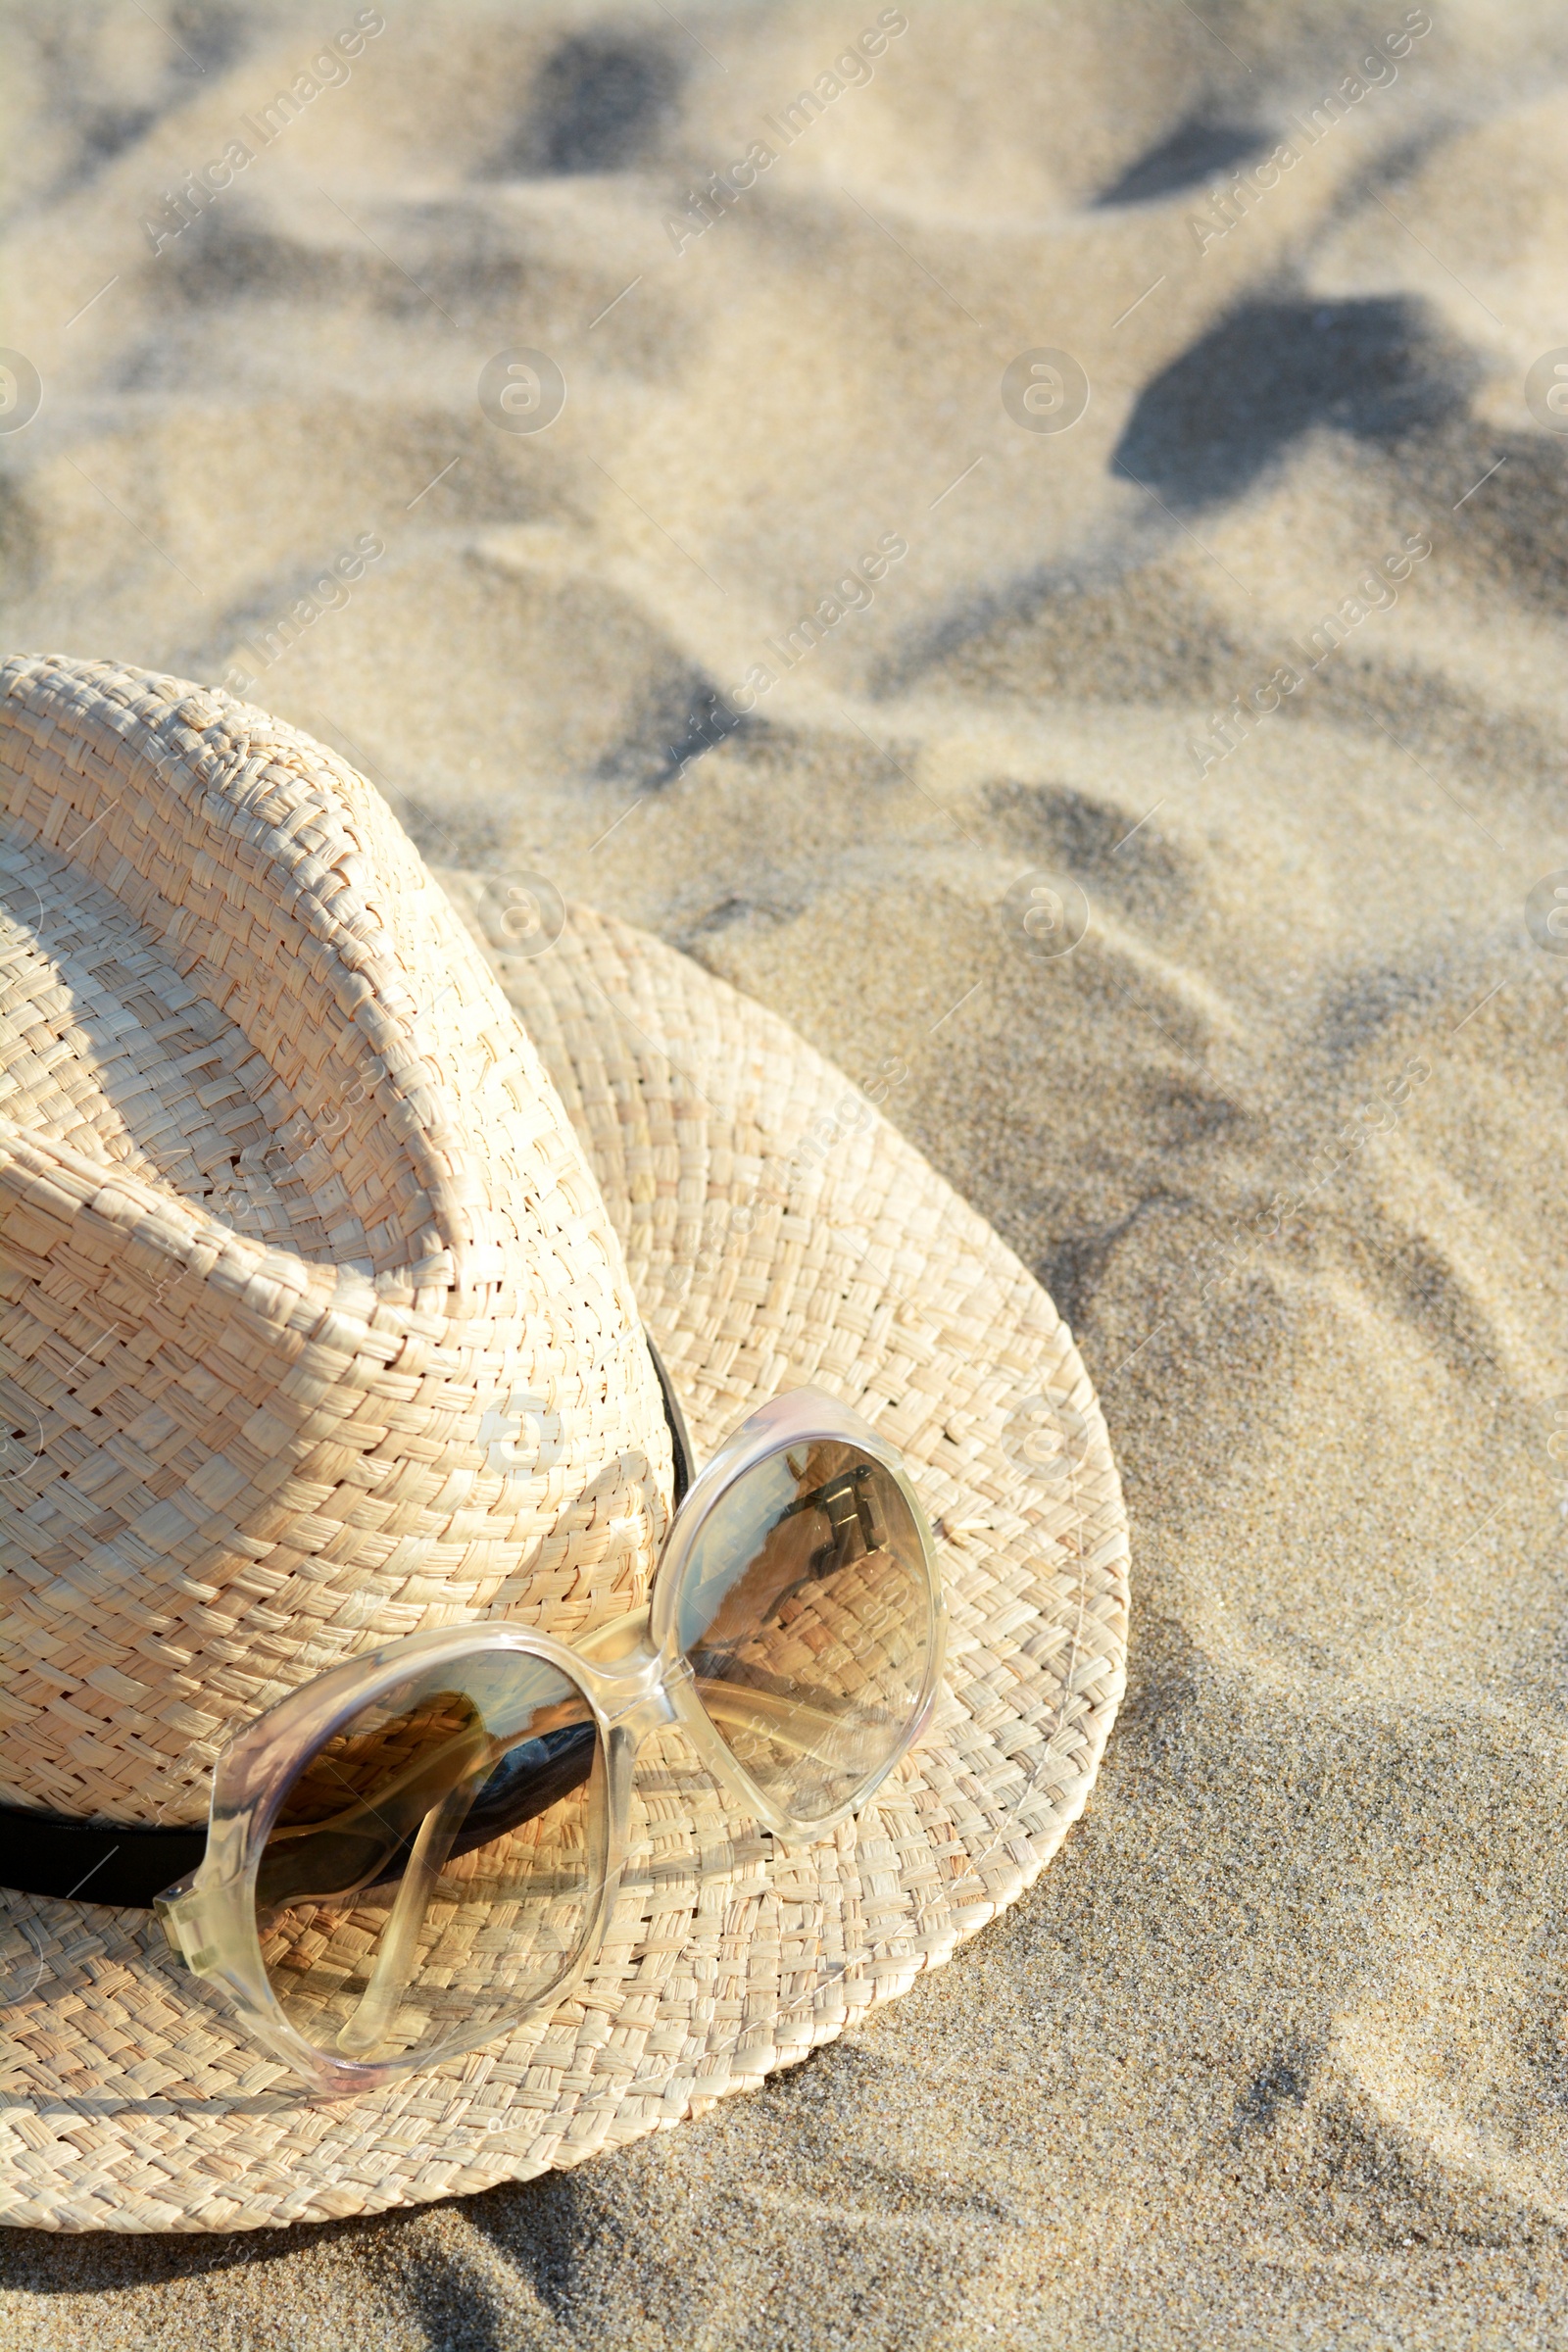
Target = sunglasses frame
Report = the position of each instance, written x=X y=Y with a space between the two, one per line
x=635 y=1682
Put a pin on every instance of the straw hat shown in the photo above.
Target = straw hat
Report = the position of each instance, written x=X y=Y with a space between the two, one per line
x=314 y=1176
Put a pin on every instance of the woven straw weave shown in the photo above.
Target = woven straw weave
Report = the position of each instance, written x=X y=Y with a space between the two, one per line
x=775 y=1231
x=290 y=1219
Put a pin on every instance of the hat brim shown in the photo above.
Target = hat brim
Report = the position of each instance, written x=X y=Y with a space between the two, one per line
x=778 y=1231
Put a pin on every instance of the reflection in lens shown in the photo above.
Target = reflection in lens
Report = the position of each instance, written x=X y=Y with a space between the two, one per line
x=436 y=1867
x=806 y=1616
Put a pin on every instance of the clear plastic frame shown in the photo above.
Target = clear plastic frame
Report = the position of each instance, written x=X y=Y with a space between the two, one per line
x=423 y=1847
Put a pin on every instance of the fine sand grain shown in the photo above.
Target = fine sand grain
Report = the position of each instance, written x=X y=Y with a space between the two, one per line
x=1277 y=2051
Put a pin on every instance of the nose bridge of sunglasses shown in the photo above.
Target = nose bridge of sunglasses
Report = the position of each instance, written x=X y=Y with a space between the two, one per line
x=631 y=1686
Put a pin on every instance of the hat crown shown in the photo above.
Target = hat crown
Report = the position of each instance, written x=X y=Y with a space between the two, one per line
x=314 y=1330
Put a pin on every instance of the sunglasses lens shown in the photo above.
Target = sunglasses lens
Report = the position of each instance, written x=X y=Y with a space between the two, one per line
x=807 y=1615
x=436 y=1867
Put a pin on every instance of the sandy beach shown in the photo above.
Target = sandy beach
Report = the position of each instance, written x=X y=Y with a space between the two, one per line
x=1030 y=539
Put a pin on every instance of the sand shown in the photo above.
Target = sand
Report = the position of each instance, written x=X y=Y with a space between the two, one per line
x=1277 y=2050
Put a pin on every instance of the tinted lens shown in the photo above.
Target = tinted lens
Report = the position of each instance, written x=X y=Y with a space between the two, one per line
x=805 y=1615
x=437 y=1864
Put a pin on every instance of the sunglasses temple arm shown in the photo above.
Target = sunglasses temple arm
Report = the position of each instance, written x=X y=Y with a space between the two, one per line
x=396 y=1956
x=803 y=1730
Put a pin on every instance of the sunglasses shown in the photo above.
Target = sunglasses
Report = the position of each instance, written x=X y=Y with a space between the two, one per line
x=422 y=1849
